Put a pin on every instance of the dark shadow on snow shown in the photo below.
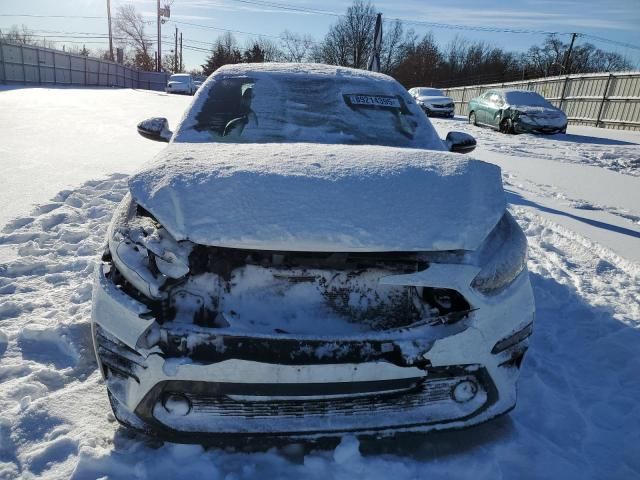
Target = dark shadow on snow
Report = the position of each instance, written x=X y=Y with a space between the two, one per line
x=517 y=199
x=570 y=137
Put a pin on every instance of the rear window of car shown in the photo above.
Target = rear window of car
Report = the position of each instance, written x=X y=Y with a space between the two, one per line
x=179 y=78
x=531 y=99
x=313 y=109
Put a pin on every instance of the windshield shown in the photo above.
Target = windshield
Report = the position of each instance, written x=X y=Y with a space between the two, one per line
x=179 y=78
x=530 y=99
x=430 y=92
x=302 y=108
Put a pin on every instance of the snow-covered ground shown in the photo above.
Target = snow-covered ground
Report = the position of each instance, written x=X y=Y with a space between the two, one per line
x=587 y=180
x=577 y=416
x=52 y=139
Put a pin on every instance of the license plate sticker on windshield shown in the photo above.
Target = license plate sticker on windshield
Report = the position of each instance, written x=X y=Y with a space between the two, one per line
x=373 y=100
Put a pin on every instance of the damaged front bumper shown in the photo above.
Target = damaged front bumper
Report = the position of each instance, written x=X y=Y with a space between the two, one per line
x=190 y=383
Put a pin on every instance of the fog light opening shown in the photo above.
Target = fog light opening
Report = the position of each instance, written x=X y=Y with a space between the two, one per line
x=464 y=391
x=176 y=404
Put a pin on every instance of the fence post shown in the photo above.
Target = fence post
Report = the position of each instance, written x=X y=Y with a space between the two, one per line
x=604 y=97
x=564 y=89
x=4 y=71
x=70 y=71
x=55 y=72
x=39 y=72
x=86 y=73
x=24 y=72
x=464 y=91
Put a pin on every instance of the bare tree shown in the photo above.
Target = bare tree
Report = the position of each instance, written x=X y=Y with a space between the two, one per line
x=224 y=51
x=349 y=41
x=25 y=36
x=130 y=26
x=295 y=47
x=270 y=50
x=393 y=43
x=421 y=62
x=548 y=59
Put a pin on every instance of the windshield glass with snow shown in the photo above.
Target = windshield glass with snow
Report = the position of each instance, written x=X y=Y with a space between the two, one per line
x=430 y=92
x=305 y=108
x=530 y=99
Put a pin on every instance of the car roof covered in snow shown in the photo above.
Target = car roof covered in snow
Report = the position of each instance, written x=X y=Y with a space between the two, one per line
x=521 y=97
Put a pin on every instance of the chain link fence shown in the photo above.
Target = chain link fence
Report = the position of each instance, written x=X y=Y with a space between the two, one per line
x=31 y=65
x=609 y=100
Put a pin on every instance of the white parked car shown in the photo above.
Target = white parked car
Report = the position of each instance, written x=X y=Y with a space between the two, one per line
x=306 y=258
x=433 y=102
x=181 y=83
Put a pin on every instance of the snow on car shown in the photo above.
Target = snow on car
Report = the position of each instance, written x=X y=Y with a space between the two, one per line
x=305 y=255
x=181 y=83
x=516 y=111
x=577 y=413
x=433 y=102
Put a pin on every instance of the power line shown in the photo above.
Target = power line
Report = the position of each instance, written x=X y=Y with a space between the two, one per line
x=289 y=7
x=294 y=8
x=612 y=42
x=239 y=32
x=50 y=16
x=449 y=26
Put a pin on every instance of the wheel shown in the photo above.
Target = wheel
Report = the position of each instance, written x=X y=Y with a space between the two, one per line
x=506 y=126
x=472 y=118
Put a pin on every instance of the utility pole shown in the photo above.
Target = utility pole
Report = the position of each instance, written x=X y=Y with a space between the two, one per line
x=110 y=36
x=181 y=51
x=175 y=53
x=159 y=66
x=568 y=55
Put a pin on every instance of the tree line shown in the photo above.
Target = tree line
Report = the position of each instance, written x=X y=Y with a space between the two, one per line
x=412 y=59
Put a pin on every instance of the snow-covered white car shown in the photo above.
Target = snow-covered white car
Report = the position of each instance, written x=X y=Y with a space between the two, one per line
x=433 y=102
x=181 y=83
x=305 y=258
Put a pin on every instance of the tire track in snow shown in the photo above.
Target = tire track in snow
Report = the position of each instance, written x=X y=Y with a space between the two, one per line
x=577 y=412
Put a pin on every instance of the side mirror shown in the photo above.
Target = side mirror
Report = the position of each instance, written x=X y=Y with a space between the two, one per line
x=155 y=129
x=460 y=142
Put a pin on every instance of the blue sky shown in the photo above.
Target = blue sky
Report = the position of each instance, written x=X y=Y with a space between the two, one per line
x=616 y=20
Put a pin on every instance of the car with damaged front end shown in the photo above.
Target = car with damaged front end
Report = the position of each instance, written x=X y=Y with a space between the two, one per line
x=516 y=111
x=307 y=258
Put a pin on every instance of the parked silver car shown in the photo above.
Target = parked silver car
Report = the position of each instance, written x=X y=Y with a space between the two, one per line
x=433 y=102
x=181 y=83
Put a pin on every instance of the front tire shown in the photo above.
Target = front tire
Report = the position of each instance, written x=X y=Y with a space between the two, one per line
x=472 y=118
x=506 y=126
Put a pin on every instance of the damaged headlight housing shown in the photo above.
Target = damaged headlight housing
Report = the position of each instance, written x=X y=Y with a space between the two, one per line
x=503 y=257
x=144 y=252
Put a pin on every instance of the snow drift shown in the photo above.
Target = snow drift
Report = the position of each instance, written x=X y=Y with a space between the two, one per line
x=310 y=197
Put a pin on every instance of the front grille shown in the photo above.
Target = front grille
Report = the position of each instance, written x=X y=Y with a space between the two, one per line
x=215 y=411
x=435 y=391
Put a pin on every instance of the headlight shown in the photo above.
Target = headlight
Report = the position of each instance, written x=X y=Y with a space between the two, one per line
x=503 y=257
x=144 y=252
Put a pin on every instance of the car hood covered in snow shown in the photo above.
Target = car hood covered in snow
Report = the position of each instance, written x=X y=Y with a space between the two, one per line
x=313 y=197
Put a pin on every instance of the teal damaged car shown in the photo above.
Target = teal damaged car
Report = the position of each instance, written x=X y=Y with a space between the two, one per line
x=516 y=111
